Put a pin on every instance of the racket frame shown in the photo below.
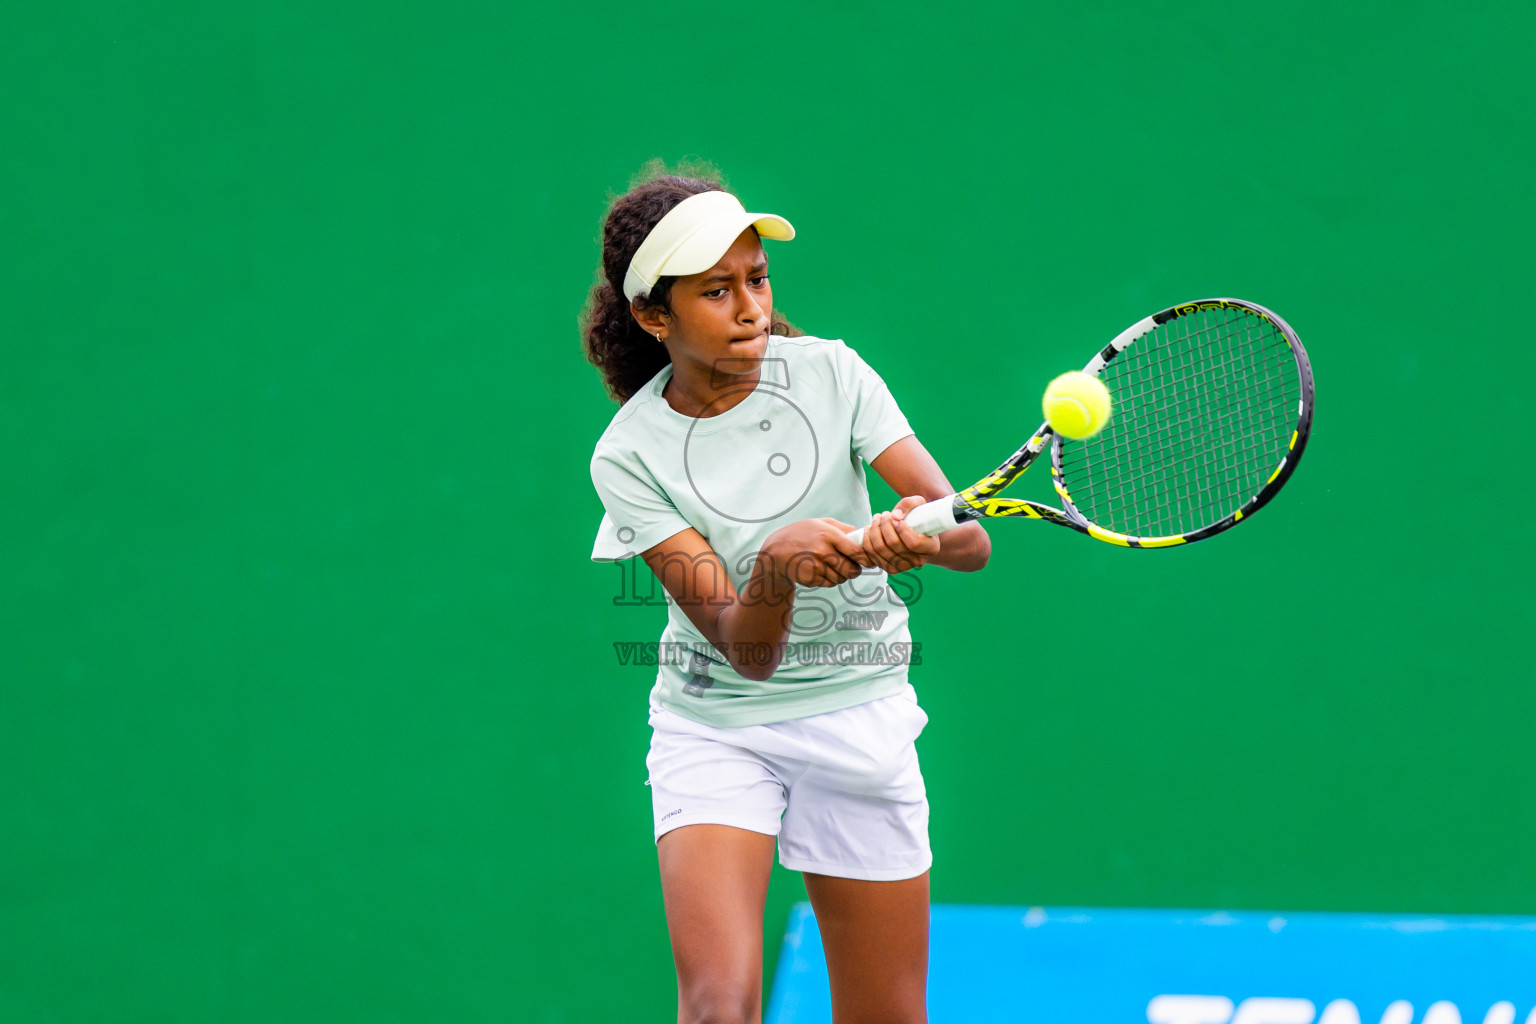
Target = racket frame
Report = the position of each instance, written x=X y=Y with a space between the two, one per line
x=981 y=501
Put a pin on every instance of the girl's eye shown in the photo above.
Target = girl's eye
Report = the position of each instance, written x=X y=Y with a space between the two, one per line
x=715 y=294
x=760 y=281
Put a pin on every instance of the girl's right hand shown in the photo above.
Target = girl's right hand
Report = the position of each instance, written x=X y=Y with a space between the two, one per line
x=814 y=553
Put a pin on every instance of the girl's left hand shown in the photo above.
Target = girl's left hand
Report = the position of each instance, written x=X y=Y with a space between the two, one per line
x=894 y=546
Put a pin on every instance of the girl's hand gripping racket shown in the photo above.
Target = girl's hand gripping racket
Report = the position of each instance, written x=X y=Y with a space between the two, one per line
x=1212 y=407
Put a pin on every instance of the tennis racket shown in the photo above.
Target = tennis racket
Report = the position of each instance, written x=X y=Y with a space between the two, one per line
x=1212 y=408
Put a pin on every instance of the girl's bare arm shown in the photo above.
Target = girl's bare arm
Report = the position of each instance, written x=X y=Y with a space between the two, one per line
x=812 y=553
x=911 y=472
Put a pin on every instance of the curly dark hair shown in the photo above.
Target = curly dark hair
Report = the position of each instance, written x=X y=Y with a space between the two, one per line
x=625 y=355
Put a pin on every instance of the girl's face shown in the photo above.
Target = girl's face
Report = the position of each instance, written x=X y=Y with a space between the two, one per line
x=720 y=318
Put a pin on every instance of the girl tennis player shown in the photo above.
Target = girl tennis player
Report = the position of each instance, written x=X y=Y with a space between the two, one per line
x=781 y=709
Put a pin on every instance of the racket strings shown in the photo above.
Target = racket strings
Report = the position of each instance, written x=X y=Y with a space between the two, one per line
x=1204 y=410
x=1181 y=490
x=1181 y=487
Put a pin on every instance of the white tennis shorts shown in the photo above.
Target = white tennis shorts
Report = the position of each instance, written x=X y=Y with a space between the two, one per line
x=842 y=791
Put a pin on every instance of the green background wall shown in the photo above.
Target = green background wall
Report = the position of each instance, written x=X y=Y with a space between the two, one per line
x=307 y=705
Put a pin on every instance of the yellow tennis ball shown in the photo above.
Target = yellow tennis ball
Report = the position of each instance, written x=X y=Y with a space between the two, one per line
x=1077 y=405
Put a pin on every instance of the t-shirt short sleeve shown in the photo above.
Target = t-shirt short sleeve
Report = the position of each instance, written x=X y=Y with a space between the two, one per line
x=878 y=422
x=638 y=513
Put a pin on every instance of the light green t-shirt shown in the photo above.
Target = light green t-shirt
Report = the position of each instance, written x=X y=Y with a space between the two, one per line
x=793 y=449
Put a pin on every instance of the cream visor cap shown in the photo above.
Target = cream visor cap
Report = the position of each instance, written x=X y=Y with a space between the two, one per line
x=693 y=236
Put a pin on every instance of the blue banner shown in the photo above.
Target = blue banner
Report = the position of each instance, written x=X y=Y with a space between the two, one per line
x=1090 y=965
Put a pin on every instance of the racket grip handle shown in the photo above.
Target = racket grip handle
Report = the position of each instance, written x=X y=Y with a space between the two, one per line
x=930 y=519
